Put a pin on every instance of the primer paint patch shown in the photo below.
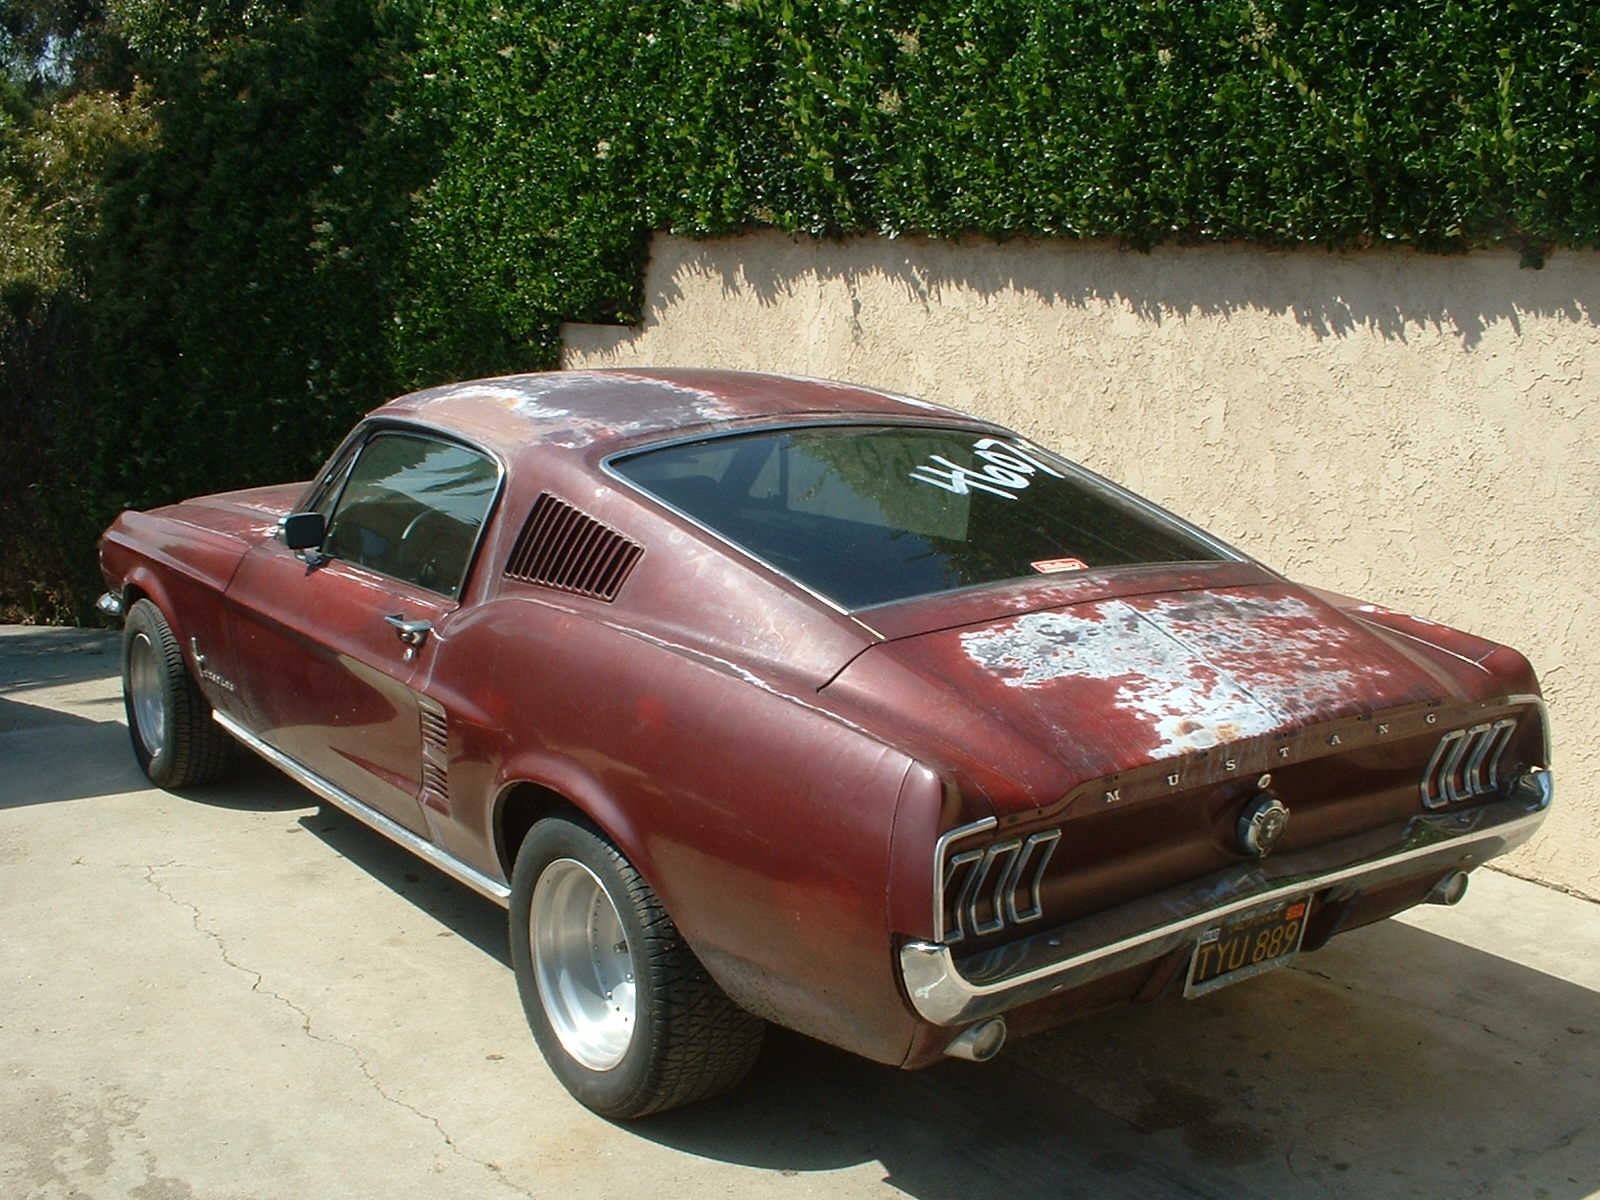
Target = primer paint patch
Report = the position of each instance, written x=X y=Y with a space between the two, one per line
x=527 y=396
x=1200 y=671
x=573 y=408
x=1299 y=660
x=690 y=405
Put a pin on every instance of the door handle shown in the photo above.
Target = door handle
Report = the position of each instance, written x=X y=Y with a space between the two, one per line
x=412 y=633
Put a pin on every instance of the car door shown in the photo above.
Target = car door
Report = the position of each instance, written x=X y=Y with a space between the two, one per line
x=334 y=646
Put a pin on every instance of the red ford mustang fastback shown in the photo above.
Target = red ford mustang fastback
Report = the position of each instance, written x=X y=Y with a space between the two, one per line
x=768 y=699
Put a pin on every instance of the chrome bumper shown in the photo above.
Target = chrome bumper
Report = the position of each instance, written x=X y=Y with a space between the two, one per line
x=110 y=604
x=950 y=991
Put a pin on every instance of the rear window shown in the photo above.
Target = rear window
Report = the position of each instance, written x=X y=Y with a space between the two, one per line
x=866 y=515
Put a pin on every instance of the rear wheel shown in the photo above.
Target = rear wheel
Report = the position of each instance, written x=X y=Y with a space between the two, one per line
x=174 y=738
x=624 y=1013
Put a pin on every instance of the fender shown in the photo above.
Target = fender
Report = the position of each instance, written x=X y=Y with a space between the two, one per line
x=577 y=786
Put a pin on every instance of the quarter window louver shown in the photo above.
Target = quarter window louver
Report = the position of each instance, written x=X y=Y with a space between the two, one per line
x=1466 y=763
x=563 y=548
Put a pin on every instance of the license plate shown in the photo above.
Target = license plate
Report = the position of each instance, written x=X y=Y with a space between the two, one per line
x=1244 y=946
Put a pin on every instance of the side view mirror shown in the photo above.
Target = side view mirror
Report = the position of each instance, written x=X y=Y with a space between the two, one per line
x=303 y=530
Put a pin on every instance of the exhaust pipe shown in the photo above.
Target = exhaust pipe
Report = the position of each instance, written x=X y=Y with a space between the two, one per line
x=1450 y=889
x=981 y=1042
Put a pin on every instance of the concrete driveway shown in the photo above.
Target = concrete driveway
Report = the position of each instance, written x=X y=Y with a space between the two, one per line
x=240 y=992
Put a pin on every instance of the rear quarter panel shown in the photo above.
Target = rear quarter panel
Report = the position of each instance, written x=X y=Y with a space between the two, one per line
x=762 y=822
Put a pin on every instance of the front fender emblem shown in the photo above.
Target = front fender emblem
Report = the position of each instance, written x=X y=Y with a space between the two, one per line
x=1261 y=824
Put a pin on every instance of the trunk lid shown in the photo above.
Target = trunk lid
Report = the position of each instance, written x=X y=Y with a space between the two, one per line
x=1036 y=703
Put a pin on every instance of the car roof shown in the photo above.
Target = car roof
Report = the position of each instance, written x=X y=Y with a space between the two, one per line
x=606 y=410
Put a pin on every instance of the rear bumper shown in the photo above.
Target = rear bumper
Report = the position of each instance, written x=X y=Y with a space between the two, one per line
x=950 y=991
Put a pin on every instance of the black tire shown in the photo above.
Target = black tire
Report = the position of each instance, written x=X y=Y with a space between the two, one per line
x=581 y=914
x=174 y=738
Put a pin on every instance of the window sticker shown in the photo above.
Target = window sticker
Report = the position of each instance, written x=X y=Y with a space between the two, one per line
x=1006 y=468
x=1049 y=566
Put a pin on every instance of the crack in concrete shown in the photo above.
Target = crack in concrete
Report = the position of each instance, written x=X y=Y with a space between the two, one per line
x=259 y=985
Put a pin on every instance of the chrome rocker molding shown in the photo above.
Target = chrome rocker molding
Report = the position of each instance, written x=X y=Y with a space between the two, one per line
x=451 y=866
x=948 y=991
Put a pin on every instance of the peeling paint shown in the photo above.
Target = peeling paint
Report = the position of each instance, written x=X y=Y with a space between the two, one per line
x=577 y=408
x=584 y=407
x=1199 y=669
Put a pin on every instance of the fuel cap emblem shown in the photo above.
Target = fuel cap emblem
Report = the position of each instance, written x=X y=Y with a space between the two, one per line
x=1262 y=824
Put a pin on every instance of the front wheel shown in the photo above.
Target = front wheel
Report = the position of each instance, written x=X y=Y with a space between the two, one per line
x=174 y=738
x=622 y=1010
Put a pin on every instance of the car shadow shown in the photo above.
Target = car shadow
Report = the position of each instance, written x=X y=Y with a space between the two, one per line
x=37 y=657
x=62 y=732
x=251 y=784
x=1399 y=1063
x=53 y=756
x=19 y=716
x=62 y=756
x=1396 y=1062
x=474 y=918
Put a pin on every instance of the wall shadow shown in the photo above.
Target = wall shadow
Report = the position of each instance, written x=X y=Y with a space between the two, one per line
x=1392 y=292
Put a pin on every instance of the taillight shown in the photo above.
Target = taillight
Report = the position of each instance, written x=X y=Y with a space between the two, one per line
x=1466 y=763
x=991 y=887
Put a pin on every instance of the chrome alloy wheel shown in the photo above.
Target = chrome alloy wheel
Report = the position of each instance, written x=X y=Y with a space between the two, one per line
x=583 y=965
x=145 y=694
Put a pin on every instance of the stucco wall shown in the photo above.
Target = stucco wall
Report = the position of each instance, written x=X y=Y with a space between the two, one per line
x=1415 y=430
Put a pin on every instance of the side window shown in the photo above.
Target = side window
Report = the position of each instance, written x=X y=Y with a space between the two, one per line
x=332 y=483
x=411 y=508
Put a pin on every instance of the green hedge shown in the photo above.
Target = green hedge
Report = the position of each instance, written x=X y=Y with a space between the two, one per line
x=579 y=128
x=347 y=197
x=243 y=278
